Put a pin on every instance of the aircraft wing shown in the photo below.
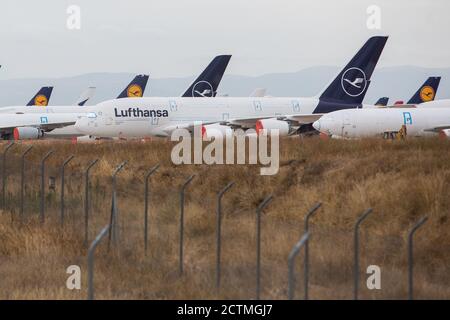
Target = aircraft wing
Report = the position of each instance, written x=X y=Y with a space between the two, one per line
x=438 y=128
x=305 y=118
x=167 y=130
x=246 y=122
x=298 y=118
x=242 y=122
x=46 y=122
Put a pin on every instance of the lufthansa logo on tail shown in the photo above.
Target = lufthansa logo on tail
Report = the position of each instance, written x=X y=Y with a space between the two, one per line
x=41 y=100
x=134 y=91
x=354 y=82
x=202 y=89
x=427 y=94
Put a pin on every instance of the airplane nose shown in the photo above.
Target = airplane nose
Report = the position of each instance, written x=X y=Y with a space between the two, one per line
x=316 y=125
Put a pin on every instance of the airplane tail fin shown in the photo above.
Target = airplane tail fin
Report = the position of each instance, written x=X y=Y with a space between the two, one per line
x=207 y=83
x=427 y=92
x=135 y=88
x=382 y=102
x=42 y=97
x=351 y=84
x=85 y=96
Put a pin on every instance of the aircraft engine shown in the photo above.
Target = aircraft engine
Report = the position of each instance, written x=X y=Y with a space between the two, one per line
x=23 y=133
x=215 y=130
x=84 y=139
x=283 y=126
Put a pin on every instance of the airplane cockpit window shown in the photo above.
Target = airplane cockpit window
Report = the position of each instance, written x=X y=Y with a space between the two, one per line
x=92 y=115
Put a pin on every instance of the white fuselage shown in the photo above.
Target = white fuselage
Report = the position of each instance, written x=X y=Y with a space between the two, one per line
x=117 y=118
x=359 y=123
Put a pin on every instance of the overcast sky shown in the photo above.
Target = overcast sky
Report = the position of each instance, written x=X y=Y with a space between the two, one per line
x=173 y=38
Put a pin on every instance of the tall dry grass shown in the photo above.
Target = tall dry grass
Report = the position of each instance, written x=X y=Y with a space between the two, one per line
x=400 y=180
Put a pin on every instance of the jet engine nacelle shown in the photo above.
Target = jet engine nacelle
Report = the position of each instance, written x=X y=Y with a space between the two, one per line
x=84 y=139
x=23 y=133
x=283 y=127
x=215 y=130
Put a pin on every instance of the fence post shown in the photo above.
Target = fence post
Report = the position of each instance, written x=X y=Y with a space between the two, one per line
x=113 y=220
x=4 y=174
x=147 y=178
x=306 y=261
x=22 y=181
x=86 y=201
x=219 y=232
x=182 y=191
x=411 y=256
x=259 y=209
x=62 y=187
x=356 y=252
x=291 y=264
x=42 y=204
x=91 y=252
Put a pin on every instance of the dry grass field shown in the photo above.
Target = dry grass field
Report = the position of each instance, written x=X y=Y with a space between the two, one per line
x=401 y=180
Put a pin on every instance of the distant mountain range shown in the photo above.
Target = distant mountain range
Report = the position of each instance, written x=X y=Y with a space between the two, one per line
x=398 y=83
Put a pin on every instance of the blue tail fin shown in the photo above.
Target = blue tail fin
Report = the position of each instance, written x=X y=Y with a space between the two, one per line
x=136 y=87
x=382 y=102
x=42 y=97
x=427 y=92
x=207 y=83
x=350 y=86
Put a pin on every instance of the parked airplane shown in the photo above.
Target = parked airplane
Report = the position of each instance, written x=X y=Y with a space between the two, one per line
x=355 y=124
x=161 y=116
x=135 y=89
x=360 y=123
x=211 y=75
x=34 y=121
